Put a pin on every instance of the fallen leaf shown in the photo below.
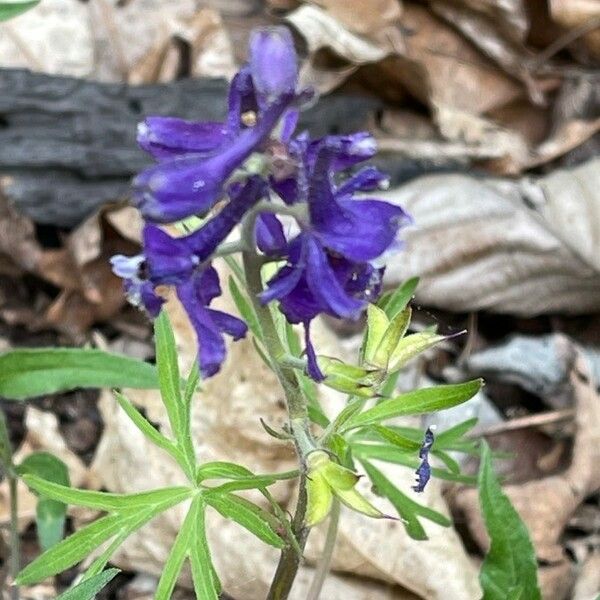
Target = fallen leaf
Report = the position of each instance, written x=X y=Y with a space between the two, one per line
x=521 y=247
x=574 y=14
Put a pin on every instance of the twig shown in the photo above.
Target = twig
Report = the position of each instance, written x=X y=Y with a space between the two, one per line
x=537 y=420
x=564 y=40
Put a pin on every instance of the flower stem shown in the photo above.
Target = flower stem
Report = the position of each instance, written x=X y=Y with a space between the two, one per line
x=324 y=564
x=289 y=561
x=15 y=550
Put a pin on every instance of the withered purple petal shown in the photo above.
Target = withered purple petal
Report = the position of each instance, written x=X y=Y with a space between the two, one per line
x=424 y=471
x=313 y=370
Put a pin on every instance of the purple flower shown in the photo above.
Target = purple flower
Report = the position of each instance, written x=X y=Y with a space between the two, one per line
x=183 y=262
x=328 y=268
x=139 y=291
x=195 y=294
x=424 y=471
x=196 y=159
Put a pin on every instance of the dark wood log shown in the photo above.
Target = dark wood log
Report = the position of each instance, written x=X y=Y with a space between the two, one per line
x=68 y=145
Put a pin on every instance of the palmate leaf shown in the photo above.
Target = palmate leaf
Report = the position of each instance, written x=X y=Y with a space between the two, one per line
x=421 y=401
x=28 y=373
x=258 y=521
x=408 y=509
x=510 y=568
x=131 y=512
x=87 y=590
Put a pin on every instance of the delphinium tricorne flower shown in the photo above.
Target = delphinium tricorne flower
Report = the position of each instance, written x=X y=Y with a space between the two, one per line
x=253 y=166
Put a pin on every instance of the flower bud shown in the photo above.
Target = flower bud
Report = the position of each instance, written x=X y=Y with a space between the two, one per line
x=327 y=479
x=349 y=379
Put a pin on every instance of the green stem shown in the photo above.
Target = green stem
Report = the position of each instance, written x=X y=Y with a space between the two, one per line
x=15 y=550
x=325 y=563
x=290 y=558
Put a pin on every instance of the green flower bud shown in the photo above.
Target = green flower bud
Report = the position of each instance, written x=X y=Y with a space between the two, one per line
x=325 y=479
x=349 y=379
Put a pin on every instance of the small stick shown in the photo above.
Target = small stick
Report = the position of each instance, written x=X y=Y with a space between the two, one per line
x=537 y=420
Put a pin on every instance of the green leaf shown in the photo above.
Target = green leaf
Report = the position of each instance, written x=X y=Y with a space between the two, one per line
x=320 y=498
x=206 y=582
x=8 y=10
x=88 y=589
x=51 y=514
x=408 y=509
x=377 y=325
x=191 y=385
x=395 y=438
x=155 y=436
x=411 y=346
x=421 y=401
x=34 y=372
x=392 y=339
x=222 y=470
x=510 y=563
x=245 y=309
x=71 y=550
x=177 y=555
x=397 y=456
x=398 y=300
x=253 y=518
x=121 y=503
x=6 y=460
x=168 y=372
x=81 y=543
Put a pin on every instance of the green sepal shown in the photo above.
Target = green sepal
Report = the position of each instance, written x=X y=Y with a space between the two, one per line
x=377 y=324
x=392 y=338
x=411 y=346
x=319 y=499
x=349 y=379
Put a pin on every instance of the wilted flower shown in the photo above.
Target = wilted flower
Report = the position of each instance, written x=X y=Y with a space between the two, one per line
x=424 y=470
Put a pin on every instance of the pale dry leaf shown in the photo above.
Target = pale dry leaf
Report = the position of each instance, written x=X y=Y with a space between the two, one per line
x=322 y=30
x=526 y=248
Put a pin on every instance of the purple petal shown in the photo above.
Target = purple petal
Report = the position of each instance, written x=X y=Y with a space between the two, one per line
x=270 y=238
x=169 y=259
x=168 y=137
x=313 y=369
x=207 y=285
x=127 y=267
x=211 y=345
x=287 y=278
x=289 y=123
x=368 y=178
x=325 y=286
x=209 y=325
x=182 y=187
x=338 y=152
x=360 y=230
x=273 y=63
x=242 y=98
x=229 y=324
x=203 y=242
